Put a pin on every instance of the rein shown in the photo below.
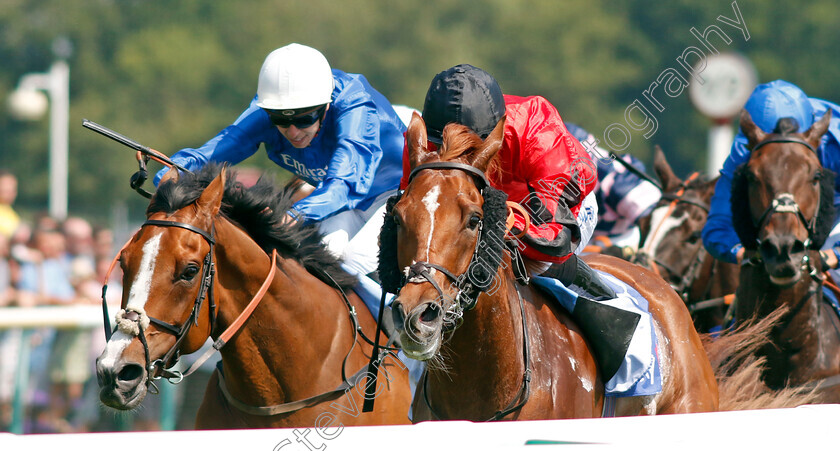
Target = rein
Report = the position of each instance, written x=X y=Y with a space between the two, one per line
x=467 y=292
x=692 y=273
x=786 y=202
x=676 y=199
x=524 y=389
x=134 y=321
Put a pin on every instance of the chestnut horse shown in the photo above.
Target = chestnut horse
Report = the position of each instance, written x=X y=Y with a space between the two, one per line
x=191 y=271
x=510 y=356
x=673 y=248
x=782 y=208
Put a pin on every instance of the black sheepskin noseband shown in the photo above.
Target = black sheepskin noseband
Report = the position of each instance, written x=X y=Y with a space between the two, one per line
x=747 y=230
x=486 y=259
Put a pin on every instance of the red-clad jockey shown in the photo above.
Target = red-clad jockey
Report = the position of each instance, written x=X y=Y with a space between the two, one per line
x=548 y=171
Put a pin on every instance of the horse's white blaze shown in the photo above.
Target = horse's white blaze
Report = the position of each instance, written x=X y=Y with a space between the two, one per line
x=661 y=226
x=139 y=293
x=430 y=200
x=114 y=348
x=137 y=297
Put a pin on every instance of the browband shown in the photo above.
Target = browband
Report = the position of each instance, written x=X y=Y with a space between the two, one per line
x=784 y=140
x=478 y=174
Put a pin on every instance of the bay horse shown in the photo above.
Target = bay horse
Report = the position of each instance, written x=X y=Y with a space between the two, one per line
x=505 y=355
x=782 y=208
x=673 y=248
x=192 y=271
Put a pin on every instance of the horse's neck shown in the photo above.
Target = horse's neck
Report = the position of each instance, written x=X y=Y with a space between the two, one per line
x=293 y=337
x=714 y=279
x=484 y=354
x=760 y=298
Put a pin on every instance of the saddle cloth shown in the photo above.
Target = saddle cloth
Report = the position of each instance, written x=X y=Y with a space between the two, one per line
x=639 y=373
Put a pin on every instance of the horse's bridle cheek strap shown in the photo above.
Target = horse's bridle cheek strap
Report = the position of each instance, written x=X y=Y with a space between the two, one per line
x=484 y=263
x=180 y=332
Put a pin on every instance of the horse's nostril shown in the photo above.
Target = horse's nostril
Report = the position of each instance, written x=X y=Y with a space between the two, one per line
x=431 y=313
x=130 y=373
x=398 y=315
x=767 y=248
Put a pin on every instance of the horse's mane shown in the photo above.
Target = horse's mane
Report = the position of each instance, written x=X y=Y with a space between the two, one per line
x=259 y=210
x=458 y=141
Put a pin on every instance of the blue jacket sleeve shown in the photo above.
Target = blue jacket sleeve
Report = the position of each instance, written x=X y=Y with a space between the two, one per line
x=351 y=170
x=233 y=144
x=719 y=235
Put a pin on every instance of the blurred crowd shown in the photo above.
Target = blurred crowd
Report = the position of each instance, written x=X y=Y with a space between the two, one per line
x=50 y=262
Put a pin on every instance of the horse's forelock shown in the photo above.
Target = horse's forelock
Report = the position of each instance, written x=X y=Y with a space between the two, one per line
x=459 y=142
x=786 y=126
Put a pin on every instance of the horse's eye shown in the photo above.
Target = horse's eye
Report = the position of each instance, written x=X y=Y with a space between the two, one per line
x=474 y=221
x=396 y=220
x=817 y=177
x=189 y=272
x=694 y=237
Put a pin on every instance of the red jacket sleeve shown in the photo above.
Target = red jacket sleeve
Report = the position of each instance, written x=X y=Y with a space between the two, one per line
x=557 y=174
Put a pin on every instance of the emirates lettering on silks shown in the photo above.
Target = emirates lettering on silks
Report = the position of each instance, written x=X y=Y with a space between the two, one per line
x=300 y=169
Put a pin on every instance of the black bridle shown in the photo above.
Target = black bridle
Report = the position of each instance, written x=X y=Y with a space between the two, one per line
x=160 y=367
x=467 y=293
x=685 y=279
x=785 y=202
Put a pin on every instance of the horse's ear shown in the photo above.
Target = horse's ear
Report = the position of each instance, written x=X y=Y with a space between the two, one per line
x=753 y=132
x=210 y=200
x=171 y=174
x=814 y=134
x=483 y=155
x=415 y=138
x=663 y=170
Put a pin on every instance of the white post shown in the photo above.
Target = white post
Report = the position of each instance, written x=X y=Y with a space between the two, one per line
x=720 y=141
x=26 y=104
x=59 y=137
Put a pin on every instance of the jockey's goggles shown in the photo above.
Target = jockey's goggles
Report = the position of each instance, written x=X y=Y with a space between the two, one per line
x=287 y=118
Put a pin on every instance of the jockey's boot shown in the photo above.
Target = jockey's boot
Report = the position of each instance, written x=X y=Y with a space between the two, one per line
x=608 y=329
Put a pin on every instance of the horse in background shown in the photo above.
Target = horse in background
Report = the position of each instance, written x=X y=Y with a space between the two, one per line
x=292 y=354
x=782 y=205
x=673 y=248
x=512 y=353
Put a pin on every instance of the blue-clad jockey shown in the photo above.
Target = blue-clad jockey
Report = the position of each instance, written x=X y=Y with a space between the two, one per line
x=768 y=103
x=331 y=129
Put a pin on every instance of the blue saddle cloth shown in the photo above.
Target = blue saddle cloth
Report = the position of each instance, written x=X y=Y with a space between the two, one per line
x=639 y=373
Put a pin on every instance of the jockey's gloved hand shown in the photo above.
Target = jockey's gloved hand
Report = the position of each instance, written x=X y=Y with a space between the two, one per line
x=830 y=258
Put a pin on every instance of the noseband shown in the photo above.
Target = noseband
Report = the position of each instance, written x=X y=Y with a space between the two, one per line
x=785 y=202
x=468 y=289
x=161 y=365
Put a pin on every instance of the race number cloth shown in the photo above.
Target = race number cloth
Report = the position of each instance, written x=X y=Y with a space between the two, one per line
x=639 y=373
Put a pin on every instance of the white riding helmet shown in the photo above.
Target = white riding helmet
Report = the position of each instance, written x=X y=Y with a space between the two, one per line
x=294 y=77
